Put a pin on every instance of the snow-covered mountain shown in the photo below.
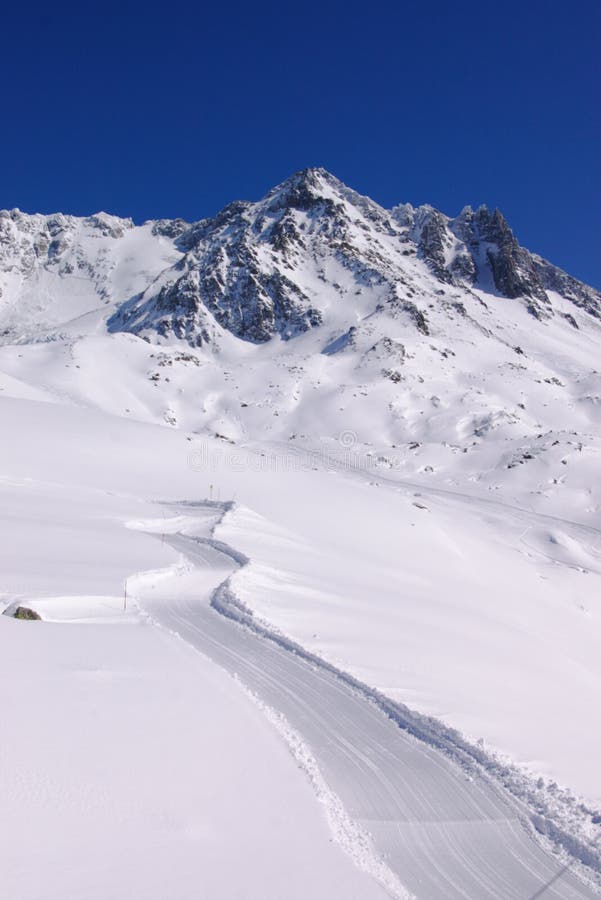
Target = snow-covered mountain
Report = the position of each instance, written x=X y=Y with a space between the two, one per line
x=278 y=266
x=314 y=312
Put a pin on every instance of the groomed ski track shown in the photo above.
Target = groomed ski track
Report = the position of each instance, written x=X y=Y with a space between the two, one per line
x=444 y=832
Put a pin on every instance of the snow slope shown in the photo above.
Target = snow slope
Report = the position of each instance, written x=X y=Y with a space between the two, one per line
x=428 y=815
x=131 y=764
x=156 y=700
x=404 y=408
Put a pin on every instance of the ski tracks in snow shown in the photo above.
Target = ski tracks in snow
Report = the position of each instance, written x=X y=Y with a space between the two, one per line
x=407 y=797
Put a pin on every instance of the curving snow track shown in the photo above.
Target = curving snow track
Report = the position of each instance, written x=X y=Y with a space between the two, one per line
x=443 y=834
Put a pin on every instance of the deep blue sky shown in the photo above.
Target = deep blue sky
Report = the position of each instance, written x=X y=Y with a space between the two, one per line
x=176 y=110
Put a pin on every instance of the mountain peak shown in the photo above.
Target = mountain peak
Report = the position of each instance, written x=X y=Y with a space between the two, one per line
x=312 y=176
x=303 y=188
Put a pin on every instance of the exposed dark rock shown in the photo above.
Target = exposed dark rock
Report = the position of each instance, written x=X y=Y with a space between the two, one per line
x=25 y=613
x=433 y=238
x=418 y=317
x=581 y=295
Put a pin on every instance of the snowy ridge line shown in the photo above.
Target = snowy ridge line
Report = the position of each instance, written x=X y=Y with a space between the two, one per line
x=355 y=842
x=535 y=810
x=407 y=484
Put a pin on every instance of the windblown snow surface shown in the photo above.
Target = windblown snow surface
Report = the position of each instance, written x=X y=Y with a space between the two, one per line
x=320 y=593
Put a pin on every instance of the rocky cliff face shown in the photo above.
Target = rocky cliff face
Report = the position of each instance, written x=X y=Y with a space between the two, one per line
x=478 y=249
